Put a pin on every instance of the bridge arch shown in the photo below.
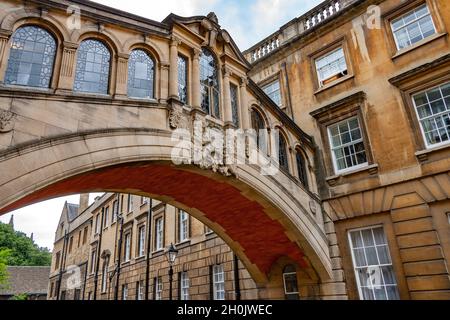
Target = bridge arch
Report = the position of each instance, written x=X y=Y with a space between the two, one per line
x=258 y=216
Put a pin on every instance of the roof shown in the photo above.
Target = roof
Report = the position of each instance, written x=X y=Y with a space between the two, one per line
x=31 y=280
x=72 y=211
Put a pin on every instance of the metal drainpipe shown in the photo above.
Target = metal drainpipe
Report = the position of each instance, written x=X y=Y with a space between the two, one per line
x=149 y=242
x=99 y=248
x=61 y=268
x=237 y=285
x=119 y=253
x=286 y=77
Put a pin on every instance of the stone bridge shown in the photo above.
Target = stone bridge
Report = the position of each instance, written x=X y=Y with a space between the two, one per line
x=71 y=130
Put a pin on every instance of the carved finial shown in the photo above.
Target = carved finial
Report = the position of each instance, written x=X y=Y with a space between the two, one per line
x=213 y=17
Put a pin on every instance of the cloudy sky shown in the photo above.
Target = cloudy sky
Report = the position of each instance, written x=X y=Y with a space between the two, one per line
x=247 y=21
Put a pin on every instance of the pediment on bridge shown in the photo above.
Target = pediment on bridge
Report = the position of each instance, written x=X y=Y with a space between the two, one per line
x=206 y=31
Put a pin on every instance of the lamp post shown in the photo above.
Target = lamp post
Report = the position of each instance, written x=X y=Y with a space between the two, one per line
x=171 y=255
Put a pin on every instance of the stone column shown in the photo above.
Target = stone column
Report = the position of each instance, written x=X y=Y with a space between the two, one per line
x=173 y=75
x=196 y=103
x=4 y=38
x=245 y=114
x=67 y=74
x=228 y=113
x=122 y=75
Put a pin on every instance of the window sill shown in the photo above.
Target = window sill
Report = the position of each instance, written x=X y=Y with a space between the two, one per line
x=158 y=253
x=11 y=87
x=125 y=263
x=334 y=180
x=418 y=45
x=140 y=258
x=423 y=155
x=334 y=83
x=183 y=244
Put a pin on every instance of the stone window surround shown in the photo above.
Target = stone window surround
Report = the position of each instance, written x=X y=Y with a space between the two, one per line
x=127 y=230
x=345 y=108
x=402 y=9
x=384 y=220
x=141 y=224
x=417 y=80
x=340 y=42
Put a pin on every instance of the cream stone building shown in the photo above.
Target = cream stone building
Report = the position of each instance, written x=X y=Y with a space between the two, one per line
x=351 y=200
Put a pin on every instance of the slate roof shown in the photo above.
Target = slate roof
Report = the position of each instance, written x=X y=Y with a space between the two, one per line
x=72 y=211
x=31 y=280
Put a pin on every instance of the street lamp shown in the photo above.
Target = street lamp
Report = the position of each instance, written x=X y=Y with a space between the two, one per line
x=171 y=255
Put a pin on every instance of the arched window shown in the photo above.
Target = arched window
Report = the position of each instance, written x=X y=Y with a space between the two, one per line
x=93 y=65
x=301 y=167
x=283 y=155
x=290 y=282
x=209 y=81
x=31 y=58
x=141 y=75
x=259 y=126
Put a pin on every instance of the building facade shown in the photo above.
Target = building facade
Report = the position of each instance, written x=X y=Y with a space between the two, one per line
x=91 y=242
x=359 y=90
x=369 y=80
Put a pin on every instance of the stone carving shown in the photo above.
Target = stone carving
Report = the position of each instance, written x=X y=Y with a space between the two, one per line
x=176 y=116
x=213 y=17
x=6 y=121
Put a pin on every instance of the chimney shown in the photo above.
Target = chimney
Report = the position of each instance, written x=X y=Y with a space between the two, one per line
x=84 y=202
x=11 y=221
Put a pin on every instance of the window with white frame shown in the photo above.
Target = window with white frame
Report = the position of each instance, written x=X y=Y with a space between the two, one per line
x=273 y=91
x=184 y=286
x=219 y=282
x=115 y=210
x=144 y=200
x=105 y=275
x=433 y=110
x=140 y=294
x=106 y=217
x=183 y=226
x=93 y=260
x=331 y=66
x=158 y=288
x=125 y=292
x=372 y=263
x=347 y=145
x=159 y=236
x=290 y=280
x=97 y=224
x=130 y=203
x=127 y=252
x=412 y=27
x=141 y=241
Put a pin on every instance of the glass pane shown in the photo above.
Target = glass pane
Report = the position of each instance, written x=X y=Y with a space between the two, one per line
x=434 y=94
x=383 y=254
x=446 y=89
x=380 y=294
x=367 y=294
x=392 y=292
x=356 y=239
x=371 y=255
x=210 y=81
x=420 y=99
x=367 y=237
x=427 y=27
x=360 y=260
x=402 y=38
x=388 y=275
x=379 y=236
x=414 y=32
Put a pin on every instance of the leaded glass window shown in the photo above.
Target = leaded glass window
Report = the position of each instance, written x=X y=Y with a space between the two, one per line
x=234 y=104
x=31 y=58
x=301 y=167
x=209 y=81
x=259 y=126
x=93 y=66
x=283 y=153
x=141 y=71
x=182 y=79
